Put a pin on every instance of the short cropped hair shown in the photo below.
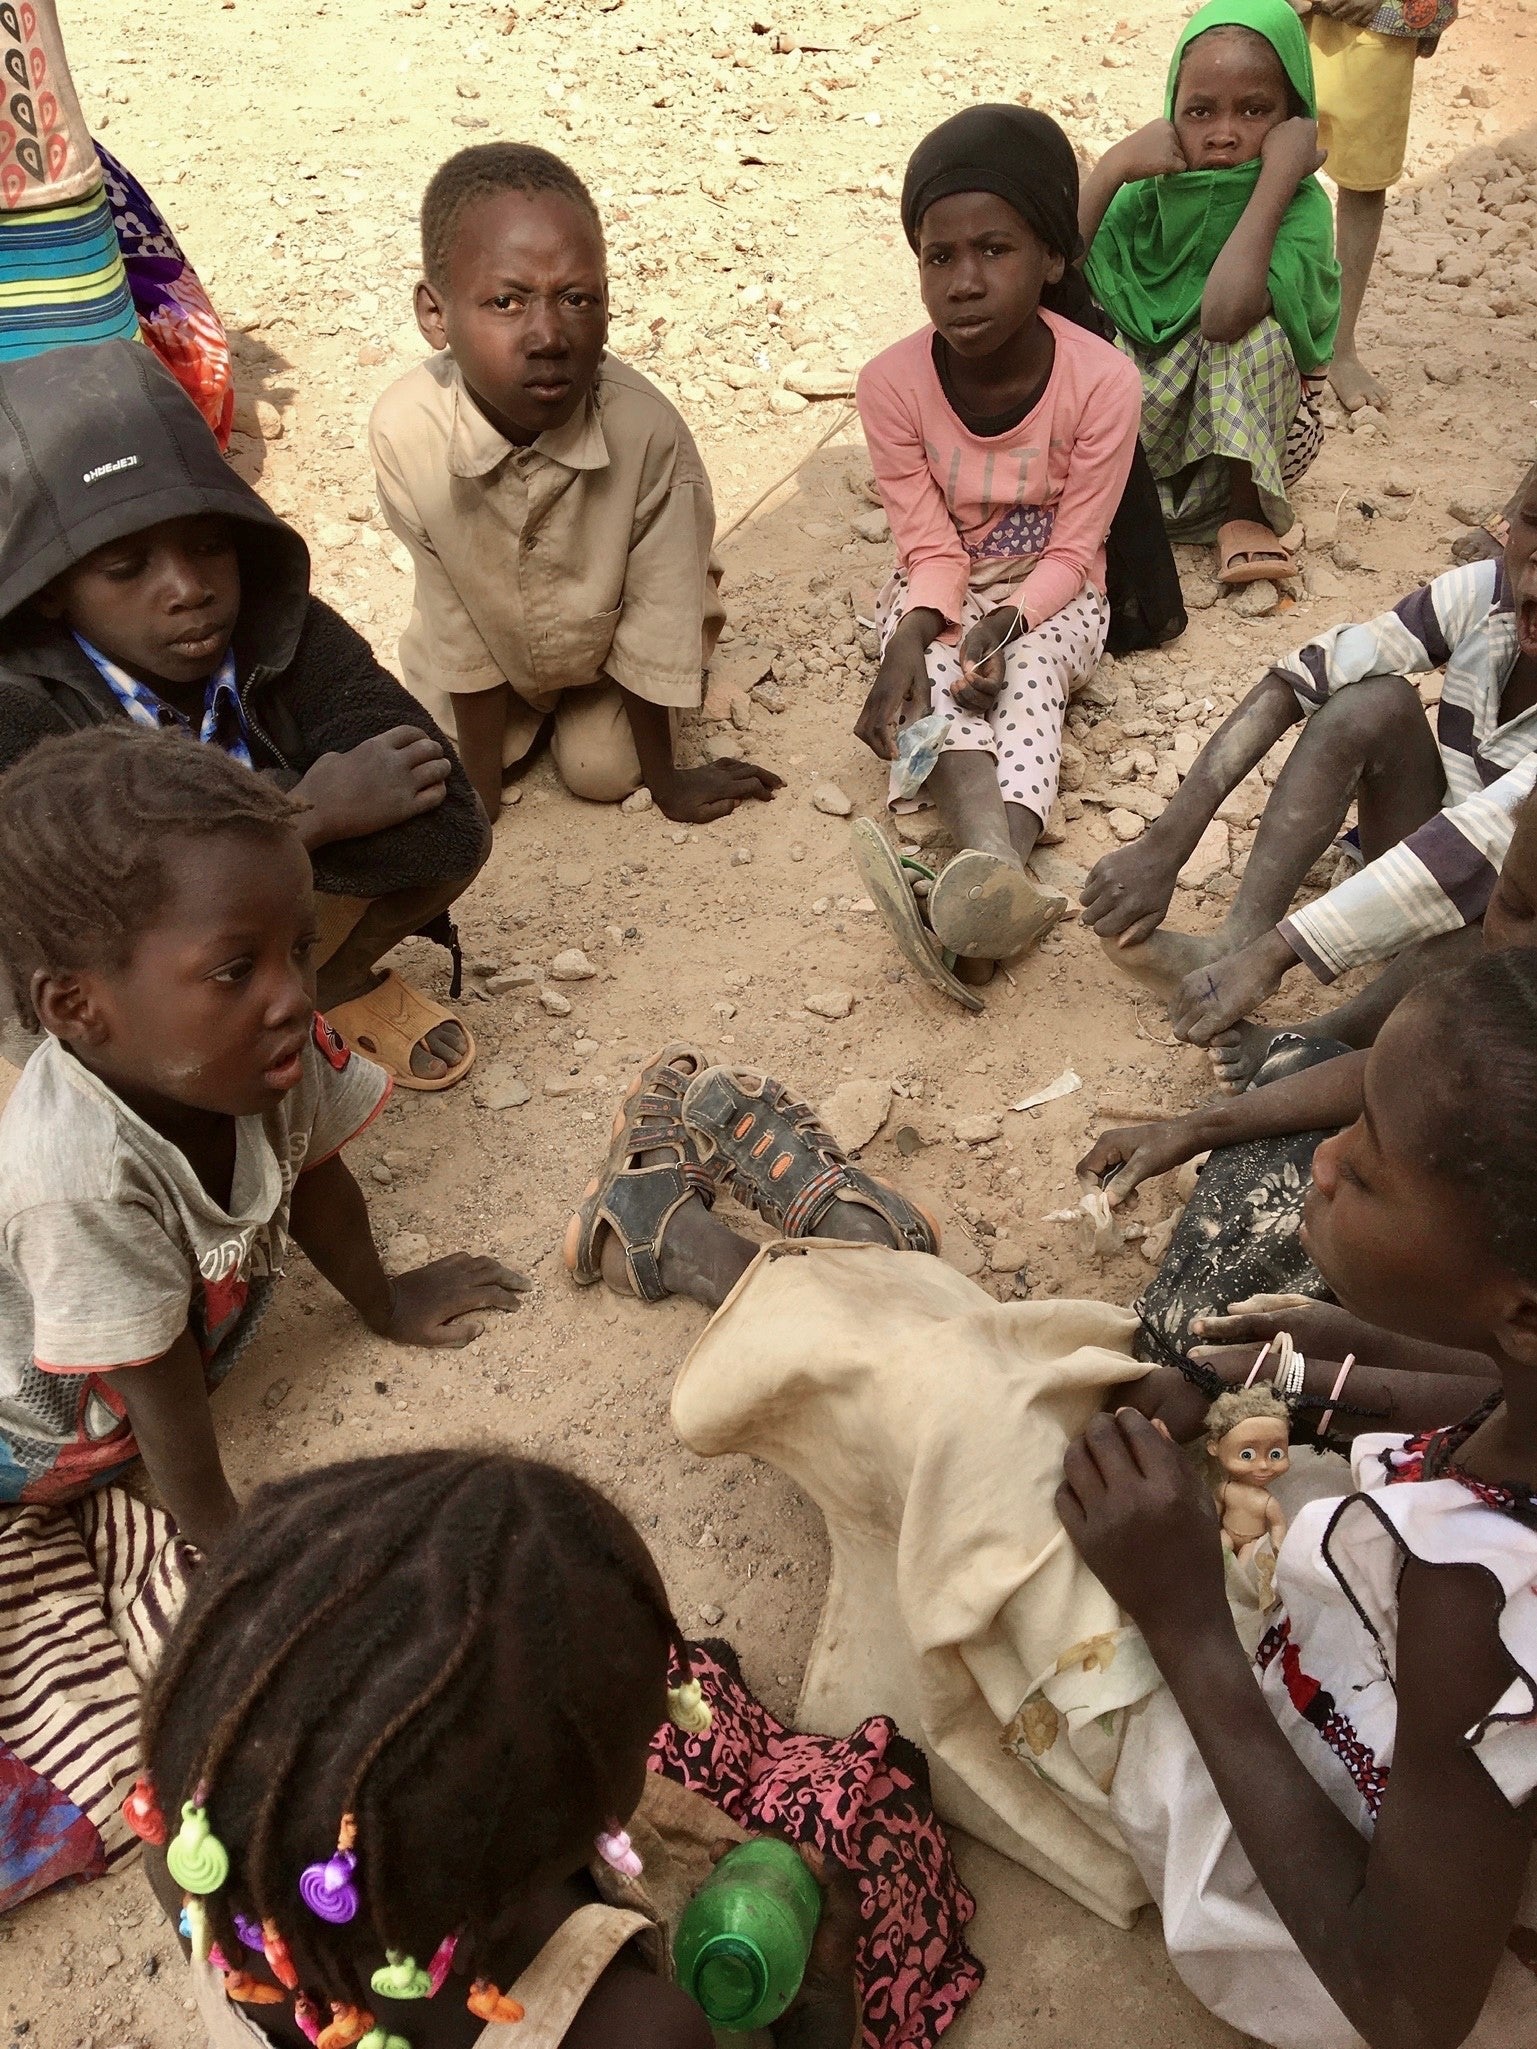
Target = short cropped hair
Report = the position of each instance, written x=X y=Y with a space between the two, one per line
x=476 y=173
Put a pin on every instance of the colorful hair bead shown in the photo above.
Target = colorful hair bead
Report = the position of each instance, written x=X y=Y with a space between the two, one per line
x=249 y=1931
x=279 y=1962
x=380 y=2038
x=307 y=2018
x=141 y=1811
x=197 y=1928
x=398 y=1978
x=440 y=1963
x=348 y=2024
x=488 y=2003
x=618 y=1853
x=687 y=1708
x=197 y=1860
x=249 y=1991
x=327 y=1889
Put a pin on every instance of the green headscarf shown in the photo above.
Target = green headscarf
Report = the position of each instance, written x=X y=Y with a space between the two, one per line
x=1154 y=251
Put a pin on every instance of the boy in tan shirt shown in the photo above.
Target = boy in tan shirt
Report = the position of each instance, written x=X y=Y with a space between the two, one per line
x=553 y=501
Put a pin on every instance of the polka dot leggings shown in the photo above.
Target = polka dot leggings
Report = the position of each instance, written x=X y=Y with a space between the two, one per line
x=1023 y=731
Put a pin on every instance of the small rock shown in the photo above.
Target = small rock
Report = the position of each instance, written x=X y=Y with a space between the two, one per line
x=276 y=1395
x=829 y=798
x=572 y=966
x=822 y=382
x=1006 y=1256
x=741 y=714
x=980 y=1130
x=710 y=1614
x=796 y=851
x=1254 y=600
x=1126 y=825
x=829 y=1003
x=741 y=857
x=1345 y=556
x=502 y=1088
x=908 y=1140
x=963 y=1254
x=269 y=421
x=380 y=1174
x=562 y=1084
x=873 y=526
x=855 y=1112
x=769 y=695
x=407 y=1249
x=1397 y=486
x=787 y=402
x=638 y=800
x=523 y=975
x=556 y=1005
x=1209 y=857
x=1467 y=511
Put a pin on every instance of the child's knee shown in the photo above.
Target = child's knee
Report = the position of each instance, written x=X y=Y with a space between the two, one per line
x=599 y=777
x=1381 y=708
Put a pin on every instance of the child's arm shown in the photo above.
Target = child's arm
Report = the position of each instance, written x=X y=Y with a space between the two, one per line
x=166 y=1402
x=1404 y=1932
x=329 y=1219
x=691 y=796
x=480 y=725
x=1152 y=152
x=1321 y=1098
x=1237 y=290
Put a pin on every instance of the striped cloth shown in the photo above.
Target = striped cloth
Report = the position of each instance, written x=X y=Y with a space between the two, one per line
x=88 y=1591
x=1441 y=876
x=62 y=279
x=1208 y=403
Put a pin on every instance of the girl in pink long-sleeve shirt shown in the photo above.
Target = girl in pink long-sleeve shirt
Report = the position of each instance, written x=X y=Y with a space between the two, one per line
x=1001 y=438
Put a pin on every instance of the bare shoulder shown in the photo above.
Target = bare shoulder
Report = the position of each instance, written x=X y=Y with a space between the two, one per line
x=631 y=2008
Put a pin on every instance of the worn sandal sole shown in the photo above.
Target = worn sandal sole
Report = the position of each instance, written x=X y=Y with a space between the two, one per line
x=883 y=875
x=984 y=908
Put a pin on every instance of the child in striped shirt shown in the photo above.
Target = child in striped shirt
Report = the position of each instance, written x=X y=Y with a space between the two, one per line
x=1434 y=807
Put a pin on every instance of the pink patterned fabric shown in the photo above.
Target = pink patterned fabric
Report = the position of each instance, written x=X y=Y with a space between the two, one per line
x=864 y=1800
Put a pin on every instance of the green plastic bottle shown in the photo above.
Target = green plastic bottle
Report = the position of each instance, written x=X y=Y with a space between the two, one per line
x=744 y=1938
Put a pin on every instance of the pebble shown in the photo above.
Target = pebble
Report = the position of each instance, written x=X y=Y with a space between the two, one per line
x=562 y=1084
x=1126 y=825
x=710 y=1614
x=583 y=1047
x=407 y=1249
x=1345 y=556
x=980 y=1130
x=524 y=975
x=741 y=856
x=825 y=382
x=855 y=1112
x=827 y=797
x=1397 y=486
x=1006 y=1256
x=572 y=966
x=501 y=1087
x=381 y=1174
x=873 y=526
x=796 y=851
x=552 y=1002
x=274 y=1398
x=638 y=800
x=769 y=695
x=1466 y=511
x=829 y=1003
x=1208 y=858
x=787 y=402
x=966 y=1257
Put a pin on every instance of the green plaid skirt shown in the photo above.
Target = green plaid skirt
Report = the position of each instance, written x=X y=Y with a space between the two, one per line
x=1206 y=403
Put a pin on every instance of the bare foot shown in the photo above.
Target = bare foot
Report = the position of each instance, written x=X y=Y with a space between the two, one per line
x=1238 y=1054
x=1162 y=961
x=976 y=974
x=444 y=1047
x=1354 y=385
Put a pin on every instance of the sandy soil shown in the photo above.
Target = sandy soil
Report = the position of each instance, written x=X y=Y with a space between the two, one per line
x=748 y=166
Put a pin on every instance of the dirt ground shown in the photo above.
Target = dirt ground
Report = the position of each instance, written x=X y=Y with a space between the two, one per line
x=748 y=166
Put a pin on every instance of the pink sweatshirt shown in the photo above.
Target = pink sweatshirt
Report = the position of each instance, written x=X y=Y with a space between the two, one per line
x=949 y=493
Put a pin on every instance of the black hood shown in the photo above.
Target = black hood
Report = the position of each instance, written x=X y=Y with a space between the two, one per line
x=99 y=441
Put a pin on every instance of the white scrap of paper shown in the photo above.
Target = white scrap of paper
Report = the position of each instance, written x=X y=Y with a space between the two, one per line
x=1064 y=1085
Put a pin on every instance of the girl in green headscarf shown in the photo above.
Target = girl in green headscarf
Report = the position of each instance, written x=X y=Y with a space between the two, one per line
x=1211 y=247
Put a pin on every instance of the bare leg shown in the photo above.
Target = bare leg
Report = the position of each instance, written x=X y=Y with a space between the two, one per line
x=965 y=788
x=1358 y=223
x=1243 y=499
x=351 y=969
x=1370 y=744
x=703 y=1259
x=1024 y=829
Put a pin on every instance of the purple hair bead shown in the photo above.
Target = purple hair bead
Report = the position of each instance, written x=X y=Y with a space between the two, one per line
x=327 y=1889
x=249 y=1931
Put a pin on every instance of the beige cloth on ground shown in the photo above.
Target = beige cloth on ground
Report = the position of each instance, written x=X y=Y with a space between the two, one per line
x=956 y=1604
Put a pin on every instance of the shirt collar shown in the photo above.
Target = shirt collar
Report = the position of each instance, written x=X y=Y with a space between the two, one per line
x=223 y=722
x=475 y=448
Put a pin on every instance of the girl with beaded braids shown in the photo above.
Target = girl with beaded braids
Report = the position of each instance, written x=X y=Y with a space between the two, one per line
x=393 y=1725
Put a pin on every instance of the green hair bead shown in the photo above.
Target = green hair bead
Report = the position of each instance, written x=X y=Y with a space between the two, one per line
x=197 y=1860
x=399 y=1978
x=380 y=2038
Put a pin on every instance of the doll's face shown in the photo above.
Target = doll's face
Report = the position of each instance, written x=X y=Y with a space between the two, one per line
x=1257 y=1450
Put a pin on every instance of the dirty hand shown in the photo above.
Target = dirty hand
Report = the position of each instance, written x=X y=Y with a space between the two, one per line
x=696 y=796
x=1320 y=1329
x=824 y=2013
x=389 y=778
x=1129 y=890
x=900 y=691
x=1150 y=152
x=1144 y=1525
x=434 y=1304
x=982 y=658
x=1120 y=1161
x=1218 y=995
x=1168 y=1400
x=1292 y=148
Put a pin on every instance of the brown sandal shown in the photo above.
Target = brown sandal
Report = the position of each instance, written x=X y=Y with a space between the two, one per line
x=1248 y=552
x=386 y=1024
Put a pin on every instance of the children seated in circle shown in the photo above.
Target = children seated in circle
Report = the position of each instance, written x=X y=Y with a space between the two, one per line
x=1211 y=247
x=553 y=502
x=142 y=581
x=181 y=1120
x=1001 y=436
x=428 y=1763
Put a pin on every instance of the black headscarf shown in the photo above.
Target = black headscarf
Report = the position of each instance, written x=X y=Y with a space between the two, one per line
x=1023 y=157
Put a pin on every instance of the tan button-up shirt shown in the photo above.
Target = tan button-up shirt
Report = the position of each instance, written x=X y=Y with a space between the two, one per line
x=585 y=555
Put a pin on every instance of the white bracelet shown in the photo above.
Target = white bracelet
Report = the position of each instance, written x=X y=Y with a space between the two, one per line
x=1289 y=1375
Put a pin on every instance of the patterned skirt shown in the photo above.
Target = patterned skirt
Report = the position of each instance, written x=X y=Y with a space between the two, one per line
x=862 y=1800
x=1208 y=403
x=61 y=279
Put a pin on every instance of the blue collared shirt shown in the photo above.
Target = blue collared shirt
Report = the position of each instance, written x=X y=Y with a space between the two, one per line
x=223 y=723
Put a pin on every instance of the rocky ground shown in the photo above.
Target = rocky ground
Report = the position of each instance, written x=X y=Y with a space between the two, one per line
x=748 y=165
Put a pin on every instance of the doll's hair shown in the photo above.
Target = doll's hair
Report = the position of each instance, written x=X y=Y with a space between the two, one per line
x=478 y=172
x=410 y=1640
x=86 y=821
x=1244 y=1405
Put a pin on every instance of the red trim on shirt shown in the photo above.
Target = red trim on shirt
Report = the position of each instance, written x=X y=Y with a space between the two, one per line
x=310 y=1165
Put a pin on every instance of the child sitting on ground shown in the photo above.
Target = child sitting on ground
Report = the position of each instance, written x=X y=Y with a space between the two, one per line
x=1001 y=436
x=1211 y=247
x=141 y=580
x=1435 y=812
x=552 y=500
x=182 y=1119
x=438 y=1756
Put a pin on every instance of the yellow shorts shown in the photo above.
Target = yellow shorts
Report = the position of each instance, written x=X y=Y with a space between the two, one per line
x=1365 y=82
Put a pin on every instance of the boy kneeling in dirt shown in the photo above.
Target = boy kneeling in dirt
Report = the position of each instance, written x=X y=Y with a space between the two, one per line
x=553 y=502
